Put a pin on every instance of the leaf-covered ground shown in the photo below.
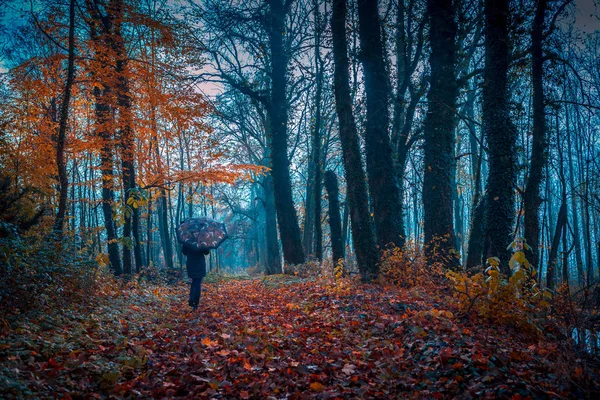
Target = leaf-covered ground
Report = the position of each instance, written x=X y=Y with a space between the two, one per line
x=277 y=338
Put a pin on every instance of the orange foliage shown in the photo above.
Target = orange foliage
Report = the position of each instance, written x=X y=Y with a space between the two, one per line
x=173 y=142
x=282 y=338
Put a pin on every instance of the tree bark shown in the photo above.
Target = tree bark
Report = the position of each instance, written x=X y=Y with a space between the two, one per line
x=287 y=219
x=102 y=112
x=335 y=221
x=126 y=140
x=439 y=124
x=345 y=221
x=553 y=257
x=273 y=256
x=103 y=125
x=362 y=234
x=61 y=162
x=149 y=234
x=316 y=147
x=574 y=208
x=475 y=246
x=500 y=134
x=531 y=197
x=309 y=211
x=383 y=184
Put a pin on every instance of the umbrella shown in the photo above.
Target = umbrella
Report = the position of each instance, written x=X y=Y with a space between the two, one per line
x=201 y=233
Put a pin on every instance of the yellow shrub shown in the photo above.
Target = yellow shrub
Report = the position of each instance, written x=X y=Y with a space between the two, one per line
x=514 y=300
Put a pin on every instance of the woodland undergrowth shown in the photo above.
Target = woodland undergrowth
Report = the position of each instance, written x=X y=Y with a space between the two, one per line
x=314 y=332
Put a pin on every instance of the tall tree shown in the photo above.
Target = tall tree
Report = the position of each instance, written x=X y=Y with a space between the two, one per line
x=286 y=213
x=500 y=133
x=531 y=197
x=126 y=140
x=312 y=225
x=101 y=26
x=439 y=128
x=383 y=184
x=357 y=197
x=61 y=162
x=238 y=24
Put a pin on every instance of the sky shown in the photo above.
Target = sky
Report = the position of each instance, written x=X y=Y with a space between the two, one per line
x=588 y=16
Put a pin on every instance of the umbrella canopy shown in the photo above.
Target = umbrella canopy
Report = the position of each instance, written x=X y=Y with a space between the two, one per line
x=201 y=233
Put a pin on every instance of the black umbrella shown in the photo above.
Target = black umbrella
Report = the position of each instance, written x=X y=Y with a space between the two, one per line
x=201 y=233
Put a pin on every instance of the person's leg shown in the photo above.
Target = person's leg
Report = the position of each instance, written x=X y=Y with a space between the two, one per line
x=196 y=282
x=199 y=290
x=191 y=297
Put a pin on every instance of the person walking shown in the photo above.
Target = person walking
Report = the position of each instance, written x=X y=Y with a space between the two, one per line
x=196 y=269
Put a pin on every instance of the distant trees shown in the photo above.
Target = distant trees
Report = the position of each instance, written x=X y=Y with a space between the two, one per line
x=442 y=127
x=244 y=124
x=272 y=48
x=95 y=120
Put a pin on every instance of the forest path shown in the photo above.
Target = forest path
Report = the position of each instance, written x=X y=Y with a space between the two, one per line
x=274 y=337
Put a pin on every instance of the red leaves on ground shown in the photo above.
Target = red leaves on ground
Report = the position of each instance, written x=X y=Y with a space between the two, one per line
x=255 y=339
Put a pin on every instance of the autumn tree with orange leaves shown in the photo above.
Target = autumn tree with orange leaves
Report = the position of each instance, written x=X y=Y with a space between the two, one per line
x=135 y=128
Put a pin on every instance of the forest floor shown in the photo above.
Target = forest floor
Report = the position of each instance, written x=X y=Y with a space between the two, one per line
x=274 y=338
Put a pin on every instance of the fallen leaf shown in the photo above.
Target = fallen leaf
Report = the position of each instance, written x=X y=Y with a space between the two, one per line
x=316 y=387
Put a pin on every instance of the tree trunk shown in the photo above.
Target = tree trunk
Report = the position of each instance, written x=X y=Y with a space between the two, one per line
x=316 y=145
x=531 y=197
x=74 y=177
x=273 y=256
x=137 y=245
x=149 y=234
x=284 y=202
x=345 y=220
x=102 y=111
x=126 y=136
x=335 y=221
x=61 y=162
x=309 y=211
x=588 y=236
x=553 y=257
x=401 y=71
x=163 y=227
x=478 y=211
x=458 y=215
x=383 y=184
x=574 y=208
x=565 y=250
x=439 y=126
x=357 y=198
x=171 y=226
x=500 y=133
x=476 y=234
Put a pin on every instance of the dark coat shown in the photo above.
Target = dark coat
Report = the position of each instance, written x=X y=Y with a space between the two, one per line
x=196 y=264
